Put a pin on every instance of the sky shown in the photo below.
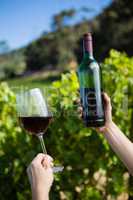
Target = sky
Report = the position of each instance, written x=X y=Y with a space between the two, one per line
x=21 y=21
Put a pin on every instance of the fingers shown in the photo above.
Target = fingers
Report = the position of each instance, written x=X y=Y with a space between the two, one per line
x=106 y=97
x=107 y=100
x=47 y=162
x=39 y=158
x=48 y=157
x=42 y=160
x=80 y=111
x=77 y=102
x=79 y=107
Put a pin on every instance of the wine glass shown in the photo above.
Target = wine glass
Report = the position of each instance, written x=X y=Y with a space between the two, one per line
x=34 y=115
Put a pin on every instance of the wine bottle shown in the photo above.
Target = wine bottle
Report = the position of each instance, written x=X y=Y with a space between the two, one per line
x=89 y=74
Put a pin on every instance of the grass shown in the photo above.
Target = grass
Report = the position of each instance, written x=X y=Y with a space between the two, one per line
x=38 y=79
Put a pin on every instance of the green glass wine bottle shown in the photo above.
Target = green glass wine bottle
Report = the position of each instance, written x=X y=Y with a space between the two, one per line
x=89 y=74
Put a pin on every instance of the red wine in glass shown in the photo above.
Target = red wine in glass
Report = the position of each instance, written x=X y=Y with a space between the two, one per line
x=35 y=124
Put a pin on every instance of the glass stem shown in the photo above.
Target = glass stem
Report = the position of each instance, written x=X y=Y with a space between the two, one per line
x=55 y=169
x=40 y=136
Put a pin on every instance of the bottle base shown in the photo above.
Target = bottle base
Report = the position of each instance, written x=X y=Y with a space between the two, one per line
x=94 y=123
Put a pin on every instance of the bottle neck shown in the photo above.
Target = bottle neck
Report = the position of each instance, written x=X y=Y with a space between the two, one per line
x=88 y=55
x=87 y=46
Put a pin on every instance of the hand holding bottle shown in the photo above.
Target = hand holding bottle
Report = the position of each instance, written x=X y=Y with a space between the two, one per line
x=121 y=145
x=107 y=111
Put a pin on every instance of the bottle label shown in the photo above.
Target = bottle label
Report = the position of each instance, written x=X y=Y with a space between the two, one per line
x=92 y=103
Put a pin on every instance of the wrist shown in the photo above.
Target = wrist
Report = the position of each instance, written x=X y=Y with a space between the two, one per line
x=108 y=126
x=39 y=193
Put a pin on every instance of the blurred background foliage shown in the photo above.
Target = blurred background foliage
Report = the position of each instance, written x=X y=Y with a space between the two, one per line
x=92 y=171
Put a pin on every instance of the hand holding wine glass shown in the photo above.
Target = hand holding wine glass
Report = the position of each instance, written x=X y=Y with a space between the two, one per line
x=35 y=115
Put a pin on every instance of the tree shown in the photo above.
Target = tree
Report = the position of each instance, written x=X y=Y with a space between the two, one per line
x=60 y=20
x=4 y=47
x=113 y=28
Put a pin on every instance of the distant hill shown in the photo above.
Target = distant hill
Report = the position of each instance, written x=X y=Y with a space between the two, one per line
x=12 y=64
x=113 y=28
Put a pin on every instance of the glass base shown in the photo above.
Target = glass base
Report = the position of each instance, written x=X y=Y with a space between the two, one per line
x=58 y=169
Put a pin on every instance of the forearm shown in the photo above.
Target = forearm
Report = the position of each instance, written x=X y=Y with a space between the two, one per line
x=122 y=146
